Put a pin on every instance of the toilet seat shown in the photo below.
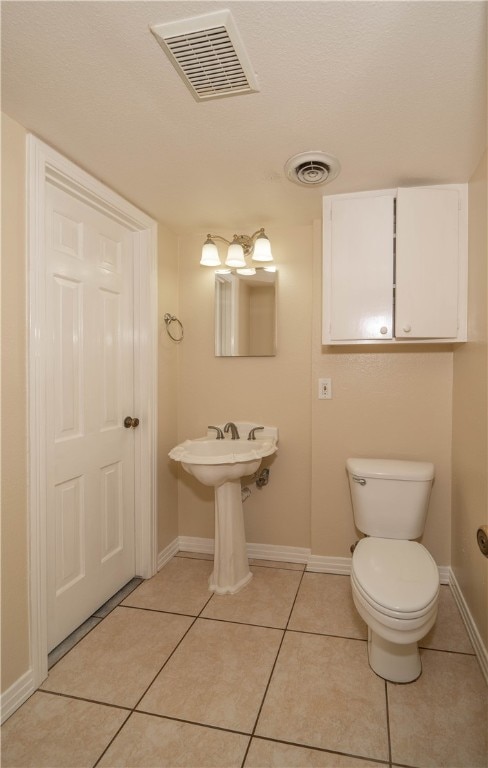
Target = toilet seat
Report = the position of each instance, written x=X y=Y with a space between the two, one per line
x=397 y=578
x=396 y=620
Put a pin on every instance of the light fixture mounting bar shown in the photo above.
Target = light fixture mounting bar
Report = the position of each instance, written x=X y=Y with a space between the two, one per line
x=246 y=241
x=256 y=245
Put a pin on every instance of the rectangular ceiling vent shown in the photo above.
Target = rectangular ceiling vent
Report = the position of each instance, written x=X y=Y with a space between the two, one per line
x=208 y=54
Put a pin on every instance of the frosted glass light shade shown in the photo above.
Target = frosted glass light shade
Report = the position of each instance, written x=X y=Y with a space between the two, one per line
x=210 y=255
x=262 y=249
x=246 y=271
x=235 y=256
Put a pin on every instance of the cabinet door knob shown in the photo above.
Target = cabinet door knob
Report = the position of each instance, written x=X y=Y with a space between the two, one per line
x=129 y=422
x=383 y=329
x=407 y=328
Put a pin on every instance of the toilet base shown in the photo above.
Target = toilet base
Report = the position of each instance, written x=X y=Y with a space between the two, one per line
x=393 y=661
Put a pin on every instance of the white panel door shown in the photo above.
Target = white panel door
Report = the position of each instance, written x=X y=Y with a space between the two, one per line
x=360 y=293
x=427 y=263
x=90 y=454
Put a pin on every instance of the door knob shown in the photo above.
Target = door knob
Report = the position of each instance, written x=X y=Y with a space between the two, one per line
x=131 y=422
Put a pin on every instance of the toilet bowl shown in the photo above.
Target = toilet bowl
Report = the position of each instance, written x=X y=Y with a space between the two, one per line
x=394 y=579
x=395 y=588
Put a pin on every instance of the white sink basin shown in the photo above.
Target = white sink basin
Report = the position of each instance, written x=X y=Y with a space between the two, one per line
x=214 y=462
x=221 y=464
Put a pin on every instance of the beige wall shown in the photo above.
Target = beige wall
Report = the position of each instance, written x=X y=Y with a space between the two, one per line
x=385 y=403
x=14 y=564
x=167 y=388
x=470 y=450
x=15 y=648
x=266 y=390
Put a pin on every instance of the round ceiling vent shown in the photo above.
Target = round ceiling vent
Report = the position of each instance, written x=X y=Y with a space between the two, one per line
x=310 y=169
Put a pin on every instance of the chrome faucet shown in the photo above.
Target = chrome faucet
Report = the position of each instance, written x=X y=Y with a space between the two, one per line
x=220 y=434
x=233 y=430
x=252 y=433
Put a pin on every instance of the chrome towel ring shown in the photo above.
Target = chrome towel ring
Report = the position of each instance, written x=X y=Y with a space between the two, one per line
x=168 y=319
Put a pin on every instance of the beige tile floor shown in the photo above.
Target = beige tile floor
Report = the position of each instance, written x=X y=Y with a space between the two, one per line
x=276 y=675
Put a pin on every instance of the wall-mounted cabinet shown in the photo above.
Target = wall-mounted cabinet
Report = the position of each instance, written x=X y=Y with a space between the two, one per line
x=395 y=266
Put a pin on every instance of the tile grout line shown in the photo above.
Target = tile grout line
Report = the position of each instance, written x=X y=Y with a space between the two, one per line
x=194 y=617
x=239 y=623
x=283 y=567
x=272 y=671
x=131 y=710
x=327 y=634
x=68 y=650
x=159 y=610
x=323 y=750
x=196 y=723
x=173 y=651
x=446 y=650
x=281 y=741
x=307 y=746
x=190 y=615
x=134 y=708
x=113 y=738
x=84 y=698
x=99 y=620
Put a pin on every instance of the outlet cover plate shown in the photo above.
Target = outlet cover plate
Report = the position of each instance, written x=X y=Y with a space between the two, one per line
x=325 y=389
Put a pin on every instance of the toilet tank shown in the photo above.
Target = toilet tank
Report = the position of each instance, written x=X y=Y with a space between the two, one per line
x=389 y=497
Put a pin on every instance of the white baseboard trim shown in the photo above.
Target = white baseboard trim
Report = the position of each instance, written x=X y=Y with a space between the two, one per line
x=324 y=564
x=445 y=574
x=167 y=553
x=278 y=553
x=472 y=630
x=314 y=563
x=196 y=544
x=18 y=692
x=342 y=565
x=256 y=551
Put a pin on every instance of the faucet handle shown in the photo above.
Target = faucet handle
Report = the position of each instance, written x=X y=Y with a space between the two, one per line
x=220 y=434
x=252 y=433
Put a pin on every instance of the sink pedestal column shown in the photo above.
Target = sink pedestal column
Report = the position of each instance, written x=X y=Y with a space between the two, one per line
x=231 y=567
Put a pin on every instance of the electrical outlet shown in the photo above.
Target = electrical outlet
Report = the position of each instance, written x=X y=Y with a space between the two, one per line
x=325 y=389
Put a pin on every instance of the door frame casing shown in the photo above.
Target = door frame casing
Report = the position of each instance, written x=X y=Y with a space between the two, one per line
x=46 y=165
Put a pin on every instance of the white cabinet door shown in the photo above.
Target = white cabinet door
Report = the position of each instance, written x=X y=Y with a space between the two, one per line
x=416 y=291
x=427 y=265
x=358 y=268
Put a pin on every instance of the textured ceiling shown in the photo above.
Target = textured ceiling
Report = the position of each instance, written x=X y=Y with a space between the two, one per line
x=395 y=90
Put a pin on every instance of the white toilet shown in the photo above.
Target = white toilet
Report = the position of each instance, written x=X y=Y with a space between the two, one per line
x=395 y=581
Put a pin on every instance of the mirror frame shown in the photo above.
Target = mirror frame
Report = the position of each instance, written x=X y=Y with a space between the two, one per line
x=230 y=313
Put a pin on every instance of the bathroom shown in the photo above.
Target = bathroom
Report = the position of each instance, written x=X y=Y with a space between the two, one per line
x=421 y=402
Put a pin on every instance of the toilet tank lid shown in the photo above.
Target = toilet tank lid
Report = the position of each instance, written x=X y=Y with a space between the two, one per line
x=391 y=469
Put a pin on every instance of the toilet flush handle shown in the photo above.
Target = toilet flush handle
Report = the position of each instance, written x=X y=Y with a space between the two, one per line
x=359 y=480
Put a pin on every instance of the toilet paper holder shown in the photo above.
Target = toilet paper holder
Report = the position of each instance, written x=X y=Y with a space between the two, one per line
x=482 y=536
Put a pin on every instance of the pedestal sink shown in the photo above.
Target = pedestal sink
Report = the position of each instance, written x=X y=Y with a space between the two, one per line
x=221 y=464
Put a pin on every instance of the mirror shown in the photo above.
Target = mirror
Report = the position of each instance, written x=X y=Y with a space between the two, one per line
x=245 y=314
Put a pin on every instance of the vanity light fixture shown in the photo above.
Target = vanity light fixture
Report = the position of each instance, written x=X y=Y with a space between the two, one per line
x=256 y=245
